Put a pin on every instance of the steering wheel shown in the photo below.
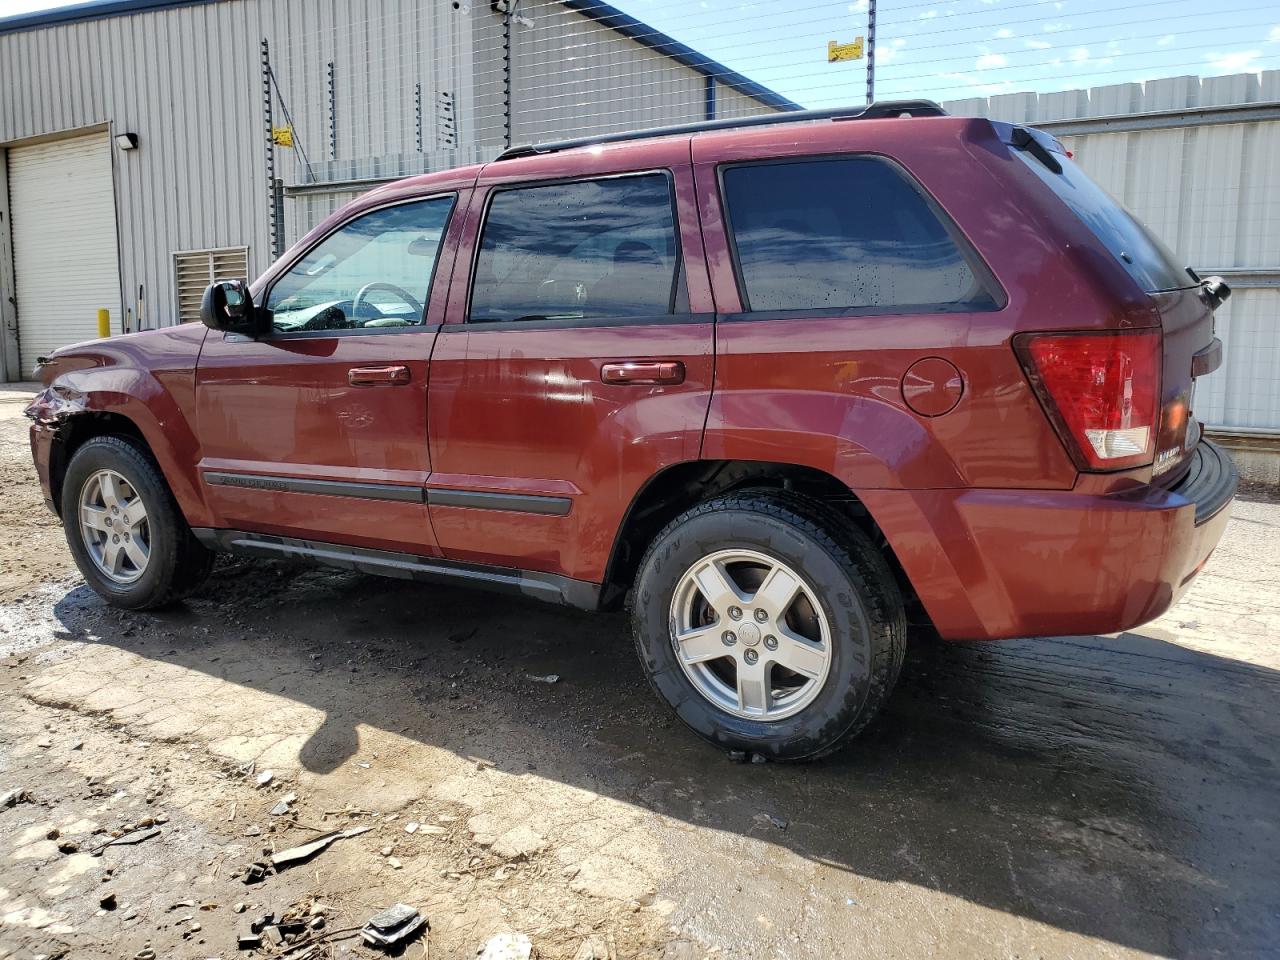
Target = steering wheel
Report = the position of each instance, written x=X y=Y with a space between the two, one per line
x=359 y=299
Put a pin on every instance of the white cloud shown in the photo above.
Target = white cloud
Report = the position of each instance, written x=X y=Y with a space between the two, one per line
x=899 y=41
x=1274 y=35
x=1167 y=39
x=1004 y=33
x=1239 y=60
x=1079 y=55
x=991 y=61
x=928 y=14
x=860 y=6
x=1054 y=27
x=1039 y=44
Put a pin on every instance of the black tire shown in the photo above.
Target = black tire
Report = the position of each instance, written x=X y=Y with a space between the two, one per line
x=178 y=563
x=846 y=572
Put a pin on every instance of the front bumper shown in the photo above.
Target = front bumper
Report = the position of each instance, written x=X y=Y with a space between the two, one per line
x=993 y=564
x=42 y=437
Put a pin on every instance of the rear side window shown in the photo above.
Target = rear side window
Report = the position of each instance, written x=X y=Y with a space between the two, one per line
x=589 y=249
x=1151 y=264
x=846 y=234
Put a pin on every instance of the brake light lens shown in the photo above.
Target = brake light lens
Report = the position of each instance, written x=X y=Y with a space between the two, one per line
x=1102 y=391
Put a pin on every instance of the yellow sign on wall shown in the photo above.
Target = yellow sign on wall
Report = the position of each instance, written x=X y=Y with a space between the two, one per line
x=836 y=51
x=282 y=136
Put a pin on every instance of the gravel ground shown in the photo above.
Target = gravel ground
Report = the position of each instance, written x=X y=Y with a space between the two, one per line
x=1079 y=797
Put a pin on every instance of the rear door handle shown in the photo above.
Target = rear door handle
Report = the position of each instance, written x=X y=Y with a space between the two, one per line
x=640 y=372
x=395 y=376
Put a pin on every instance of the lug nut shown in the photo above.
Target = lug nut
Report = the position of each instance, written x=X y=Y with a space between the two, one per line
x=115 y=539
x=770 y=642
x=115 y=509
x=729 y=638
x=735 y=613
x=751 y=656
x=762 y=615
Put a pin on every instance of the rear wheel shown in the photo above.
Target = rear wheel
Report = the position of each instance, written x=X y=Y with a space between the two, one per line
x=769 y=624
x=125 y=531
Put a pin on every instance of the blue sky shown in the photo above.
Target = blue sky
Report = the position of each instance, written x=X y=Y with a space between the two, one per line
x=964 y=48
x=967 y=48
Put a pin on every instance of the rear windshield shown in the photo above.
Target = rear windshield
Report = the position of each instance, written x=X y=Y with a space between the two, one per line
x=1149 y=262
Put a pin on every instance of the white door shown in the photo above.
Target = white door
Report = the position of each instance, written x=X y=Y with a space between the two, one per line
x=65 y=262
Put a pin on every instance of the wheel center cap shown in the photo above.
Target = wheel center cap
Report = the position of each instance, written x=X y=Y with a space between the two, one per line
x=749 y=634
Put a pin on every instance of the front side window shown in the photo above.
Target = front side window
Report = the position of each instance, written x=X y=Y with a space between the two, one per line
x=843 y=234
x=373 y=273
x=589 y=249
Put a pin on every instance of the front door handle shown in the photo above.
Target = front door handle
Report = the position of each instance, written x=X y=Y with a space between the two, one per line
x=396 y=376
x=640 y=372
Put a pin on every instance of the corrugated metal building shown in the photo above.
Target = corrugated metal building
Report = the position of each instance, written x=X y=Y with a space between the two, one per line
x=135 y=134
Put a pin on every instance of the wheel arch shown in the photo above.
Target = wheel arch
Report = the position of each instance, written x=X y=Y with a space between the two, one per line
x=679 y=487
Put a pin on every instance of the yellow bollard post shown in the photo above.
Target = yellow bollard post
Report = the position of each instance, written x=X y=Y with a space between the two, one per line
x=104 y=323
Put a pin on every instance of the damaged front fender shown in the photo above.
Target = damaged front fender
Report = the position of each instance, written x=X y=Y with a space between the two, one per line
x=54 y=404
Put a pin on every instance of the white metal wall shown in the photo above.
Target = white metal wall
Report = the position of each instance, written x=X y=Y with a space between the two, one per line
x=1211 y=191
x=414 y=86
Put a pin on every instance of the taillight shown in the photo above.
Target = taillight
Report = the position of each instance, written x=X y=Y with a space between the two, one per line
x=1102 y=391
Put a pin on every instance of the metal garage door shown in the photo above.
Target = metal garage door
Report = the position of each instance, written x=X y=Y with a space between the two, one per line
x=64 y=243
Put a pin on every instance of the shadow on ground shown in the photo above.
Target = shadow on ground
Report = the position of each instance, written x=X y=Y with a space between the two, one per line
x=1122 y=788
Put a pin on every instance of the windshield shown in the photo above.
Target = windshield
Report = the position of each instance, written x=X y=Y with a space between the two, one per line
x=1153 y=265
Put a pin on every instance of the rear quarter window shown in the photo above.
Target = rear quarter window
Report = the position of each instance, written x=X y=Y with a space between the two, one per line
x=844 y=234
x=1151 y=264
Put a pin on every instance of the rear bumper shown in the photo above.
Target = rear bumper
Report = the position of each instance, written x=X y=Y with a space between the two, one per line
x=992 y=564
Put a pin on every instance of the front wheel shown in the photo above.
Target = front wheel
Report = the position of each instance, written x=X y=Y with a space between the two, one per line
x=125 y=531
x=769 y=624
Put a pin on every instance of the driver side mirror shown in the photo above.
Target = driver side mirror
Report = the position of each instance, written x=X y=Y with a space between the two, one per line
x=228 y=306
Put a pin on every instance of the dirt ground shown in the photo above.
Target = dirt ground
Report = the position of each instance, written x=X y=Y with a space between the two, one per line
x=1081 y=797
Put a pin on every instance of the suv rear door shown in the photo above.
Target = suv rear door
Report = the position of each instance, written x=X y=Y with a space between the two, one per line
x=576 y=360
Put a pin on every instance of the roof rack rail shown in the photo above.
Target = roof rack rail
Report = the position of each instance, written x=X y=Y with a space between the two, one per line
x=873 y=111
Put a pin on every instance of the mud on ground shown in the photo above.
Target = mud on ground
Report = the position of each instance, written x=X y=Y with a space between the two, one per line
x=1084 y=797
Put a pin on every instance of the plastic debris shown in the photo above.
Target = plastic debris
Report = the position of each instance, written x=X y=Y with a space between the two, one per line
x=306 y=851
x=394 y=925
x=549 y=678
x=128 y=839
x=508 y=946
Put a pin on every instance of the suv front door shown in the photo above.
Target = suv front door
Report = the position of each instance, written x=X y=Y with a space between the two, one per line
x=576 y=362
x=318 y=431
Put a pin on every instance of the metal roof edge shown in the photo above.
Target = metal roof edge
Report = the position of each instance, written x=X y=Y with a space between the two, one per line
x=613 y=18
x=93 y=10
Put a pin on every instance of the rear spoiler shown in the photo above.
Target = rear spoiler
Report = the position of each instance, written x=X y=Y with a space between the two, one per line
x=1045 y=147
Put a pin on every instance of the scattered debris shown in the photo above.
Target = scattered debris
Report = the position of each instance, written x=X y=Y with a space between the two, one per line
x=11 y=798
x=395 y=925
x=248 y=941
x=770 y=819
x=508 y=946
x=128 y=839
x=394 y=863
x=759 y=758
x=306 y=851
x=549 y=678
x=146 y=953
x=284 y=805
x=107 y=901
x=264 y=921
x=68 y=846
x=255 y=873
x=265 y=777
x=410 y=827
x=240 y=908
x=593 y=948
x=253 y=830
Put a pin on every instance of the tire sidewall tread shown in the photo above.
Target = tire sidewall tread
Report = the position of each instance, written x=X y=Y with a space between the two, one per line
x=846 y=572
x=178 y=562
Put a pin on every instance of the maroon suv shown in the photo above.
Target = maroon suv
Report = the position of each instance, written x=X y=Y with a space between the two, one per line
x=777 y=385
